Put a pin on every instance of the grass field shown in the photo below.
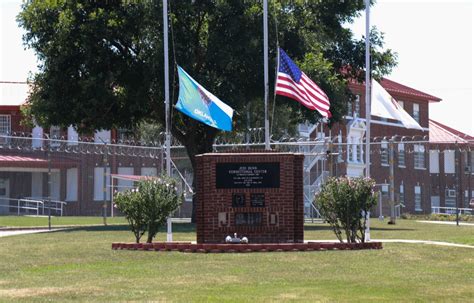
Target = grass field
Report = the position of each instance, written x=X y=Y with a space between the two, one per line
x=79 y=265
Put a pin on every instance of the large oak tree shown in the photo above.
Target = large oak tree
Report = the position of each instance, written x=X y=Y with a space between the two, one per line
x=101 y=62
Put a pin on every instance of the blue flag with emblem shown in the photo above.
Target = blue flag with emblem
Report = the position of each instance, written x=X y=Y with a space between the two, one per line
x=198 y=103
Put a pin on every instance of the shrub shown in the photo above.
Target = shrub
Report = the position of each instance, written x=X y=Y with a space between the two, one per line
x=147 y=207
x=343 y=203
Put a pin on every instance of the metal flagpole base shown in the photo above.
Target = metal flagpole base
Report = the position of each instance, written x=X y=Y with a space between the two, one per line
x=169 y=233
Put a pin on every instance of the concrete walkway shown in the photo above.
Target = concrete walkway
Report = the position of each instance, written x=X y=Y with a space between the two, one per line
x=6 y=233
x=440 y=243
x=446 y=222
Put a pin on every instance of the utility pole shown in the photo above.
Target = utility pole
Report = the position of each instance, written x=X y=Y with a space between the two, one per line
x=392 y=183
x=367 y=105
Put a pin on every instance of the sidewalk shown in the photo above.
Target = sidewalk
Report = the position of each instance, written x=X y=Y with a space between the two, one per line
x=446 y=222
x=6 y=233
x=408 y=241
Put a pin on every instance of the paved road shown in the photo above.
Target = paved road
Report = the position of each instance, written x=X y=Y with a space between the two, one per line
x=6 y=233
x=407 y=241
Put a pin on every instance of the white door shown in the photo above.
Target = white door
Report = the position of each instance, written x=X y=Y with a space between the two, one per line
x=434 y=203
x=4 y=195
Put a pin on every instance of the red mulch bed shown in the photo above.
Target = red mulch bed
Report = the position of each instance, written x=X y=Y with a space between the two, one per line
x=244 y=248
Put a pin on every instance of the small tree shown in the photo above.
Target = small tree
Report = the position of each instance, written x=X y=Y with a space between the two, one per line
x=343 y=202
x=147 y=207
x=130 y=204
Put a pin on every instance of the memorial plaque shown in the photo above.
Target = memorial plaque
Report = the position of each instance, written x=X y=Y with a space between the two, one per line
x=238 y=200
x=248 y=175
x=251 y=219
x=257 y=200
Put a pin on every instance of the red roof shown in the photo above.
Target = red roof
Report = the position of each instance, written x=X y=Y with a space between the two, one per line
x=399 y=90
x=440 y=133
x=395 y=87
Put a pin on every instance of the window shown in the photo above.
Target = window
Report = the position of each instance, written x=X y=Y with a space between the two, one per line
x=400 y=103
x=359 y=151
x=102 y=136
x=54 y=135
x=384 y=192
x=37 y=134
x=339 y=149
x=418 y=198
x=123 y=185
x=5 y=128
x=55 y=185
x=449 y=162
x=36 y=185
x=349 y=108
x=149 y=171
x=357 y=106
x=5 y=124
x=434 y=161
x=450 y=198
x=401 y=155
x=401 y=197
x=71 y=184
x=99 y=184
x=124 y=135
x=72 y=136
x=416 y=112
x=384 y=153
x=419 y=154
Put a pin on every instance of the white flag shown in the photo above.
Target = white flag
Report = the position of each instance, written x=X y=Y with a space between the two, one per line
x=383 y=105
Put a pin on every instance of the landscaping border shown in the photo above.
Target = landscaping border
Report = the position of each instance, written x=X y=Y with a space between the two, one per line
x=244 y=248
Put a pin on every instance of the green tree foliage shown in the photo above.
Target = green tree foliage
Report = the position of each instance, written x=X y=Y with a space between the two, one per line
x=147 y=207
x=101 y=62
x=343 y=203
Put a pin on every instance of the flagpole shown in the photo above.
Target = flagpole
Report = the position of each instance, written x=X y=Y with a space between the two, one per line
x=367 y=104
x=265 y=71
x=169 y=235
x=367 y=88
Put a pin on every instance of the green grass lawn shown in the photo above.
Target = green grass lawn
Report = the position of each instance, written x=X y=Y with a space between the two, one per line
x=79 y=265
x=24 y=221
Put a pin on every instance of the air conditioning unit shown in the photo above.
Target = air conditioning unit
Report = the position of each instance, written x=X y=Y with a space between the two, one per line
x=451 y=193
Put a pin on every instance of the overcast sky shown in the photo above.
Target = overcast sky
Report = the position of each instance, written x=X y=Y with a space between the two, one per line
x=433 y=39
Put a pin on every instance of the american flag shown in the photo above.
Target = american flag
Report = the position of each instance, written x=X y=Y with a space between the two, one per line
x=293 y=83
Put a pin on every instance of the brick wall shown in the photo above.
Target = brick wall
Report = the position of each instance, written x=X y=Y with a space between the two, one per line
x=281 y=216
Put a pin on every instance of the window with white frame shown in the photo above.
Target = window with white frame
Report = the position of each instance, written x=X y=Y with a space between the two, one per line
x=359 y=151
x=357 y=106
x=99 y=184
x=385 y=192
x=434 y=161
x=72 y=135
x=401 y=155
x=401 y=104
x=123 y=184
x=418 y=198
x=401 y=197
x=339 y=149
x=5 y=124
x=71 y=184
x=349 y=108
x=450 y=198
x=384 y=153
x=102 y=136
x=419 y=156
x=449 y=156
x=5 y=127
x=55 y=135
x=416 y=112
x=37 y=134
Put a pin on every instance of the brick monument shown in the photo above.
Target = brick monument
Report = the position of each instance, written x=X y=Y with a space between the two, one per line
x=258 y=195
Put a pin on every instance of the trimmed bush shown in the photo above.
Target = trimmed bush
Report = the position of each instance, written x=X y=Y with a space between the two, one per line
x=147 y=206
x=343 y=202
